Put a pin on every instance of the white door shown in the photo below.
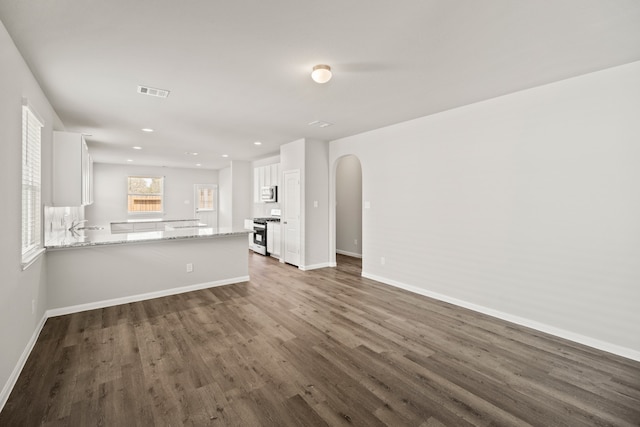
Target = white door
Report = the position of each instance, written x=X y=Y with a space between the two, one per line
x=291 y=220
x=205 y=204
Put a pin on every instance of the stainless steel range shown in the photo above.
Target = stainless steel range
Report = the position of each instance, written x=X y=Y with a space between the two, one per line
x=260 y=231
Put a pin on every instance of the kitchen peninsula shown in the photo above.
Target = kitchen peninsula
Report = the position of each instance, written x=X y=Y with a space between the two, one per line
x=96 y=268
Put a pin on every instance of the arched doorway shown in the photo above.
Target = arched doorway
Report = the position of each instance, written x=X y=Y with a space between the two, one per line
x=348 y=213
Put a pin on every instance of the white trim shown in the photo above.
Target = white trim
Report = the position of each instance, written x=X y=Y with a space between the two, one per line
x=32 y=257
x=314 y=266
x=542 y=327
x=351 y=254
x=142 y=297
x=13 y=378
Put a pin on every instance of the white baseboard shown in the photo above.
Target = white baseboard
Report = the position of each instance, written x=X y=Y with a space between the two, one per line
x=142 y=297
x=13 y=378
x=314 y=266
x=11 y=382
x=351 y=254
x=558 y=332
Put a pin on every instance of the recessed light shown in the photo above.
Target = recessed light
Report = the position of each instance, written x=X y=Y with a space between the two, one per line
x=129 y=160
x=146 y=130
x=137 y=148
x=198 y=164
x=257 y=143
x=190 y=153
x=225 y=155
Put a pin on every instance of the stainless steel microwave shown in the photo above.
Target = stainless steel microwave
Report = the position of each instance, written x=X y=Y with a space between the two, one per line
x=269 y=194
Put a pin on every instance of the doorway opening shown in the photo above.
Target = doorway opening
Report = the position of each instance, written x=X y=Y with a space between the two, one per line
x=348 y=193
x=205 y=204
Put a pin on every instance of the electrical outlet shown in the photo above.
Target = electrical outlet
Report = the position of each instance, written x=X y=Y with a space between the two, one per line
x=382 y=260
x=33 y=306
x=355 y=242
x=189 y=268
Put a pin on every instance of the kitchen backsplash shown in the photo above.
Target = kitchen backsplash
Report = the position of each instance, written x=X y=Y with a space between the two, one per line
x=261 y=210
x=58 y=219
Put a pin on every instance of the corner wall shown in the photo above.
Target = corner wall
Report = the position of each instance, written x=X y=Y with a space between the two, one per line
x=525 y=206
x=19 y=325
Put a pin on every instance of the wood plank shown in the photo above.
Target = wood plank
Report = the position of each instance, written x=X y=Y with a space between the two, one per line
x=316 y=348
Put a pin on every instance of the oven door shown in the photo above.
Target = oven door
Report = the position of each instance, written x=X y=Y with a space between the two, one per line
x=260 y=238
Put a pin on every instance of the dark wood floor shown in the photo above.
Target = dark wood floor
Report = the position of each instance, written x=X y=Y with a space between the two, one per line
x=326 y=347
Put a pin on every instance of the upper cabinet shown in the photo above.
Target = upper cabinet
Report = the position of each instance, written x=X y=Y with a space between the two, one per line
x=265 y=176
x=72 y=170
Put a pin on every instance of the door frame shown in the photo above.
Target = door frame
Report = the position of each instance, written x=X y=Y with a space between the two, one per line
x=283 y=233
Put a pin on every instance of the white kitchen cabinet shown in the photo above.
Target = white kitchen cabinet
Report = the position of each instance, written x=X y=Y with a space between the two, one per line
x=274 y=171
x=72 y=170
x=273 y=238
x=265 y=176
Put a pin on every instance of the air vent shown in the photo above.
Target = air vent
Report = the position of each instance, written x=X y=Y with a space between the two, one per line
x=320 y=124
x=152 y=91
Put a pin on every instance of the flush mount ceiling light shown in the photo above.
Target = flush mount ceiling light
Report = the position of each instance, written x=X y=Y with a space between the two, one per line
x=321 y=73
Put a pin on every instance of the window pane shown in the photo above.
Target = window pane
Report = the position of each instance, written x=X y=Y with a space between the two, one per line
x=145 y=193
x=31 y=188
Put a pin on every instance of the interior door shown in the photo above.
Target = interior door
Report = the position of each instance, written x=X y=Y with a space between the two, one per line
x=291 y=222
x=206 y=204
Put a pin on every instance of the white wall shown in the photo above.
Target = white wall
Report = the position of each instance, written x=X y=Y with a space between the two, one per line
x=311 y=158
x=349 y=206
x=98 y=275
x=225 y=218
x=236 y=194
x=316 y=201
x=18 y=288
x=526 y=206
x=242 y=192
x=110 y=191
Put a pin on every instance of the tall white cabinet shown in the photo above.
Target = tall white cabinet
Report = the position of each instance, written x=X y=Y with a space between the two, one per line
x=72 y=170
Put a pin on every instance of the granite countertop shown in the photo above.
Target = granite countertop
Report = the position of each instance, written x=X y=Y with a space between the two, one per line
x=84 y=238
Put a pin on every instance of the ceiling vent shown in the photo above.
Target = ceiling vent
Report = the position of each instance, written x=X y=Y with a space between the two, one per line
x=152 y=91
x=320 y=124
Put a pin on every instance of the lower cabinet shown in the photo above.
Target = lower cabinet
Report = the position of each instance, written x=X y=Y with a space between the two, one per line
x=273 y=238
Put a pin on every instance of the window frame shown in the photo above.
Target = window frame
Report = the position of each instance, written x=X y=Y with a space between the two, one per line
x=31 y=186
x=161 y=194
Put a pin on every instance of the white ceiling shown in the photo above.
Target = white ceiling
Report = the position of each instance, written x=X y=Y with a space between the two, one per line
x=238 y=70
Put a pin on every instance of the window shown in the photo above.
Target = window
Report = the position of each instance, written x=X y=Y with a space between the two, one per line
x=31 y=186
x=205 y=198
x=145 y=194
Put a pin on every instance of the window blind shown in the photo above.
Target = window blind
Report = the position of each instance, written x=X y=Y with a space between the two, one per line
x=31 y=184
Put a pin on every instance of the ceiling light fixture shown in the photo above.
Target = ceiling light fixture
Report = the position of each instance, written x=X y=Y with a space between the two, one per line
x=137 y=148
x=321 y=73
x=225 y=155
x=146 y=130
x=257 y=143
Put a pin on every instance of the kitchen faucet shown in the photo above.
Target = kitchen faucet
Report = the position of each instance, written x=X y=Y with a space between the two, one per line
x=75 y=224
